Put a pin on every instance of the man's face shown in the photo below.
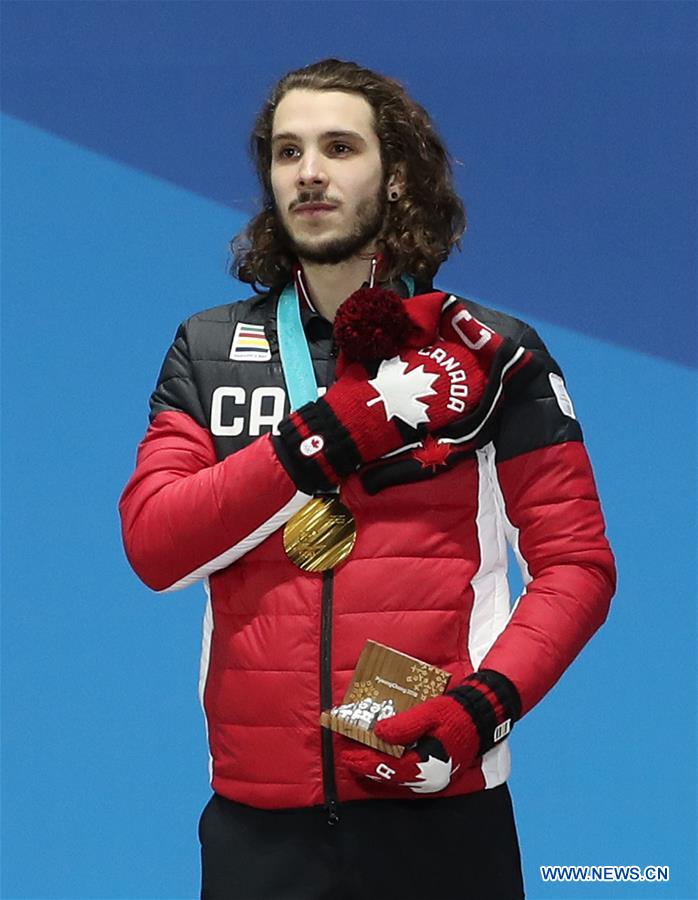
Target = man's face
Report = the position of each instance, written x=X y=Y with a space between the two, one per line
x=326 y=174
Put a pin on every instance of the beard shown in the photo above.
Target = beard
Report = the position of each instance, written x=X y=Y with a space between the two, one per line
x=370 y=216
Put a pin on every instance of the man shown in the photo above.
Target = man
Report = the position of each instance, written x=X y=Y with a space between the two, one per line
x=444 y=428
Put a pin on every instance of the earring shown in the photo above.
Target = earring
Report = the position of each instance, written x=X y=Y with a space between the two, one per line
x=394 y=195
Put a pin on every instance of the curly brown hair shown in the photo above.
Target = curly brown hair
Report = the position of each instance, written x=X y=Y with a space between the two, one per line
x=421 y=227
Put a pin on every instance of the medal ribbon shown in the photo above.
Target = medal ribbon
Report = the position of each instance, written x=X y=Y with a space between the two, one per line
x=296 y=362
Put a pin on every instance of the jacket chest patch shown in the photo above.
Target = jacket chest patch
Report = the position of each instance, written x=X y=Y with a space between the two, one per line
x=250 y=344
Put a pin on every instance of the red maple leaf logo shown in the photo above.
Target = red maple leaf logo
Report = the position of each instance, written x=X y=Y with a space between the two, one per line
x=432 y=454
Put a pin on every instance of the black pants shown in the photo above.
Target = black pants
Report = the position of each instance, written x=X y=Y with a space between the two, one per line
x=459 y=848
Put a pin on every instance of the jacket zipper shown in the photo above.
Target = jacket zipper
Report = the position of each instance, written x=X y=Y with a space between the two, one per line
x=328 y=779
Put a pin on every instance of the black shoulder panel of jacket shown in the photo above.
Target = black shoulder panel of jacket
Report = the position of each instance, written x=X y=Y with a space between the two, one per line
x=203 y=338
x=234 y=397
x=175 y=389
x=532 y=415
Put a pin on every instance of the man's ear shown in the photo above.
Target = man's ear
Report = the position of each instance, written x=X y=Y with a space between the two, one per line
x=396 y=181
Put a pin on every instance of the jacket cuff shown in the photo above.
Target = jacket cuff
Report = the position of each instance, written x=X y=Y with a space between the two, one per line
x=492 y=702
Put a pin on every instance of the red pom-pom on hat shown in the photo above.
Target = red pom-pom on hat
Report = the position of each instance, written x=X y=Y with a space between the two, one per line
x=372 y=324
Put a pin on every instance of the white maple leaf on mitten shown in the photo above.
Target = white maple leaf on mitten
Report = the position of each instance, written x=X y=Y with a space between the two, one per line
x=399 y=391
x=434 y=775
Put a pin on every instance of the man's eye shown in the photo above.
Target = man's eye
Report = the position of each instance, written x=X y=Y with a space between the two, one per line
x=341 y=149
x=286 y=152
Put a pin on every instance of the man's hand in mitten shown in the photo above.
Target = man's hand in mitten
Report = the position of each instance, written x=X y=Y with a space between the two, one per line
x=450 y=732
x=378 y=406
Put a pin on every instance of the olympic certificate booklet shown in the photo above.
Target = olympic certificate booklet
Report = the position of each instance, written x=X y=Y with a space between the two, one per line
x=386 y=682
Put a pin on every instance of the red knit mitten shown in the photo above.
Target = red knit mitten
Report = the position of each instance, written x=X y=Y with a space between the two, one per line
x=378 y=406
x=450 y=733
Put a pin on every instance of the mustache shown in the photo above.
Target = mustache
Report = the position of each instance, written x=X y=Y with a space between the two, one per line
x=312 y=197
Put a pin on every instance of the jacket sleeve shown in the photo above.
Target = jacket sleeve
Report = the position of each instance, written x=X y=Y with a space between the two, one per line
x=185 y=515
x=548 y=499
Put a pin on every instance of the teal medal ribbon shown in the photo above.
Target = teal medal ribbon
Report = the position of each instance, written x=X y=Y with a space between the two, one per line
x=296 y=362
x=409 y=282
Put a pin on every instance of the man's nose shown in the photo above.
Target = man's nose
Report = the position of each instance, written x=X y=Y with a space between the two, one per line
x=311 y=171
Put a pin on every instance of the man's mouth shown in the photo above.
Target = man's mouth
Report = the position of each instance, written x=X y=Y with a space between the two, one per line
x=314 y=209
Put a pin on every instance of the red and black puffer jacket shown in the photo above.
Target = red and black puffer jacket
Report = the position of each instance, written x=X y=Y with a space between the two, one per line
x=427 y=576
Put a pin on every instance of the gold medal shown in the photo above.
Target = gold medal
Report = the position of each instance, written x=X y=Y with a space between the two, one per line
x=320 y=535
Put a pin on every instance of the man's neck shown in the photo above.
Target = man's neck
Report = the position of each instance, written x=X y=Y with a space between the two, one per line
x=329 y=286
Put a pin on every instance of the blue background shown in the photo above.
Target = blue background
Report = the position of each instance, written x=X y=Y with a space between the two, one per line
x=125 y=173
